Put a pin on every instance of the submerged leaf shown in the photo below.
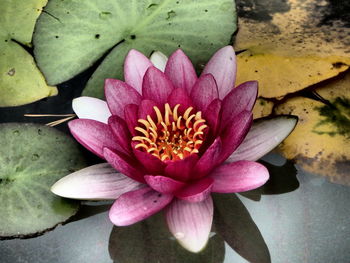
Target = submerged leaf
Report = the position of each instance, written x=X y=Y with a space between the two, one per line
x=72 y=35
x=21 y=81
x=320 y=142
x=32 y=158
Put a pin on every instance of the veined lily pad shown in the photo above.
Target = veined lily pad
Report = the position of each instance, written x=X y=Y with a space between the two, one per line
x=21 y=82
x=32 y=158
x=71 y=35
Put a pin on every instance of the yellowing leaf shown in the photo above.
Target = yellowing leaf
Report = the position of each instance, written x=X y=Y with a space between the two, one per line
x=280 y=75
x=21 y=82
x=262 y=108
x=321 y=141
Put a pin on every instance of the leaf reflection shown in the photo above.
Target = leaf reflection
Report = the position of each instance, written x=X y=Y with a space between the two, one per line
x=283 y=179
x=233 y=221
x=150 y=241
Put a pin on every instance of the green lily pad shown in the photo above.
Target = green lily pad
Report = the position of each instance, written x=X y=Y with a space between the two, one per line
x=72 y=35
x=21 y=82
x=32 y=158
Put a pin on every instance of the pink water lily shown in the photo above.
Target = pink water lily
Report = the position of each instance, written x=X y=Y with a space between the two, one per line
x=170 y=140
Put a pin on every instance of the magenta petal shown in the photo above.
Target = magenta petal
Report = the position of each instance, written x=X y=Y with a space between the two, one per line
x=124 y=164
x=196 y=192
x=97 y=182
x=180 y=71
x=163 y=184
x=156 y=86
x=131 y=116
x=152 y=164
x=204 y=92
x=190 y=223
x=135 y=67
x=181 y=169
x=179 y=96
x=208 y=160
x=93 y=135
x=120 y=131
x=222 y=66
x=118 y=95
x=146 y=108
x=239 y=176
x=239 y=99
x=137 y=205
x=264 y=135
x=234 y=134
x=213 y=115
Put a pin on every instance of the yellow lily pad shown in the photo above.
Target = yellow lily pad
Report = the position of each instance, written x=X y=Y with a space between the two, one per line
x=321 y=141
x=291 y=44
x=262 y=108
x=21 y=82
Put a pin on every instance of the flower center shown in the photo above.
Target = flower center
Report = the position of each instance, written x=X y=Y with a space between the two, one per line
x=172 y=136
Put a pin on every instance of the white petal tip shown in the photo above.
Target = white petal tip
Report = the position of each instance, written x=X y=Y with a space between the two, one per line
x=159 y=60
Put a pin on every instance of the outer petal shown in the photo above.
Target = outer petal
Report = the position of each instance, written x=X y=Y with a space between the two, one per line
x=97 y=182
x=239 y=176
x=159 y=60
x=93 y=135
x=190 y=223
x=120 y=131
x=119 y=94
x=135 y=67
x=181 y=169
x=196 y=192
x=234 y=134
x=156 y=86
x=239 y=99
x=124 y=164
x=204 y=92
x=137 y=205
x=180 y=71
x=91 y=108
x=264 y=135
x=222 y=66
x=163 y=184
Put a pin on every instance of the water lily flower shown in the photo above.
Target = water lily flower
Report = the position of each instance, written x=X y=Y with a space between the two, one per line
x=170 y=139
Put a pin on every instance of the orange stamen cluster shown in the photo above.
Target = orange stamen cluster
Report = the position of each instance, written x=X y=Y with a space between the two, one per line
x=172 y=136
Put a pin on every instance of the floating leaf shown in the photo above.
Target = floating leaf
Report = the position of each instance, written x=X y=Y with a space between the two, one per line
x=262 y=108
x=291 y=44
x=32 y=158
x=321 y=141
x=72 y=35
x=21 y=81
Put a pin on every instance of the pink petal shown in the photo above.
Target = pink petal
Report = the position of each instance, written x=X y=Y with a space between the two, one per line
x=239 y=176
x=135 y=67
x=204 y=92
x=120 y=131
x=97 y=182
x=264 y=136
x=212 y=115
x=239 y=99
x=91 y=108
x=93 y=135
x=159 y=60
x=190 y=223
x=124 y=164
x=163 y=184
x=208 y=160
x=137 y=205
x=179 y=96
x=181 y=169
x=131 y=116
x=156 y=86
x=152 y=164
x=146 y=108
x=180 y=71
x=222 y=66
x=196 y=192
x=234 y=134
x=119 y=94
